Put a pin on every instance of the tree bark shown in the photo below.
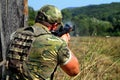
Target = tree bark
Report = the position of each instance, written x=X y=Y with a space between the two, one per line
x=0 y=40
x=25 y=11
x=11 y=18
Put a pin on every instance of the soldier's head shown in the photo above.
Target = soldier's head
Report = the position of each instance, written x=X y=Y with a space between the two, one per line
x=49 y=14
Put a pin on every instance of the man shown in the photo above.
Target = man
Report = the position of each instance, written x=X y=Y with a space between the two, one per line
x=34 y=53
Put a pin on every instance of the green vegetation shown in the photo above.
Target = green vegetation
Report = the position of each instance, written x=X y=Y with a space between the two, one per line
x=92 y=20
x=95 y=20
x=99 y=58
x=31 y=17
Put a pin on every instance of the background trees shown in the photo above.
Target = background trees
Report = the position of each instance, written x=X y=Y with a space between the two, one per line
x=95 y=20
x=92 y=20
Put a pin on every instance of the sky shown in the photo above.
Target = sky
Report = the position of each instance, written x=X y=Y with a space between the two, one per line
x=61 y=4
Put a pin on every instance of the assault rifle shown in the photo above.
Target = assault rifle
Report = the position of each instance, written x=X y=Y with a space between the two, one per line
x=63 y=30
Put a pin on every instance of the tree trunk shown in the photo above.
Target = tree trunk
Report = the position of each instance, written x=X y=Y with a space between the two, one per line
x=0 y=41
x=11 y=18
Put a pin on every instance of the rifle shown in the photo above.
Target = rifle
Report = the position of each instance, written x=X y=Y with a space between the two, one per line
x=63 y=30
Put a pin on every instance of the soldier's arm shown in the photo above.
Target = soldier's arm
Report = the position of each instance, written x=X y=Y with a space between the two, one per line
x=66 y=37
x=71 y=67
x=68 y=61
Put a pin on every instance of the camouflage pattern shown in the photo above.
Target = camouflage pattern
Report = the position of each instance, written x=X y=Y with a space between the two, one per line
x=46 y=52
x=17 y=54
x=51 y=14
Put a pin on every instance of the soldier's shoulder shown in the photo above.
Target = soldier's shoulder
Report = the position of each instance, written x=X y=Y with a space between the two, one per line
x=56 y=40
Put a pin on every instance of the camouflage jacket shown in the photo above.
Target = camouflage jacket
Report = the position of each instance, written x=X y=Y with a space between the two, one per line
x=37 y=51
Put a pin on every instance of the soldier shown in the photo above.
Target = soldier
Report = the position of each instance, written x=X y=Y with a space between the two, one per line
x=34 y=53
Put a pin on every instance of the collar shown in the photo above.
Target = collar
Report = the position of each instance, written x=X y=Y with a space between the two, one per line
x=42 y=26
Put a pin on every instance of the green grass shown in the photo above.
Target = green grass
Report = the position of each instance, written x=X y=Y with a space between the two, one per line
x=99 y=58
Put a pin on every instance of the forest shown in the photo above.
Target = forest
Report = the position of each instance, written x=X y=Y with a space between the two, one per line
x=91 y=20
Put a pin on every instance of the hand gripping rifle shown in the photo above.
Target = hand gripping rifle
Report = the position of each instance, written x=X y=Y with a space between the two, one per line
x=63 y=30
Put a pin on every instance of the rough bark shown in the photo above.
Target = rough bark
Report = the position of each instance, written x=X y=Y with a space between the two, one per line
x=0 y=41
x=12 y=18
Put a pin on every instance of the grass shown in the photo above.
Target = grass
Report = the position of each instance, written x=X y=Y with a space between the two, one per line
x=99 y=58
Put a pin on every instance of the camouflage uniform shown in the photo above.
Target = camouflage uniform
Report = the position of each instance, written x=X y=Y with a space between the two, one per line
x=35 y=53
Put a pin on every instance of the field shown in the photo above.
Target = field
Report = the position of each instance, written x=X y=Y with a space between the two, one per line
x=99 y=58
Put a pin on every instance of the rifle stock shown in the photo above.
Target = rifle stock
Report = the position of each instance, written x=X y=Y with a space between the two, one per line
x=63 y=30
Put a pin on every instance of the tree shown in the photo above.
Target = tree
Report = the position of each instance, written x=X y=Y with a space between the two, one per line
x=66 y=15
x=13 y=14
x=31 y=17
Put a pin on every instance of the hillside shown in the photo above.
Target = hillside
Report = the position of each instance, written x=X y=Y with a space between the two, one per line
x=92 y=20
x=97 y=11
x=107 y=15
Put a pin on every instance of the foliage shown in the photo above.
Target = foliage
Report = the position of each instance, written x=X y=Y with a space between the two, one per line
x=31 y=16
x=31 y=13
x=92 y=26
x=92 y=20
x=99 y=20
x=31 y=22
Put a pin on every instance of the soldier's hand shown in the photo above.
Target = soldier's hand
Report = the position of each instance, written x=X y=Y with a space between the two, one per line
x=66 y=37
